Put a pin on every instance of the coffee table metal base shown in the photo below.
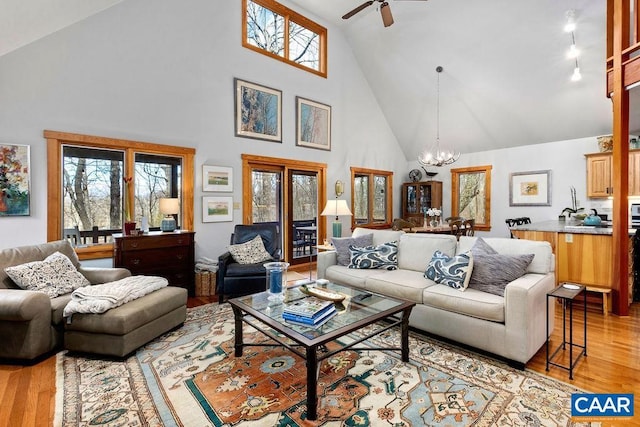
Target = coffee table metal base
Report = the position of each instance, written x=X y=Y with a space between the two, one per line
x=311 y=352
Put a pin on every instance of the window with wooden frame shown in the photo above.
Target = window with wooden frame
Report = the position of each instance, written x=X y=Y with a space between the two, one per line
x=283 y=34
x=86 y=187
x=471 y=195
x=371 y=198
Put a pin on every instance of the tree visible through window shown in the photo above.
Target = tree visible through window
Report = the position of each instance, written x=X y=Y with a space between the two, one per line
x=93 y=187
x=273 y=29
x=371 y=197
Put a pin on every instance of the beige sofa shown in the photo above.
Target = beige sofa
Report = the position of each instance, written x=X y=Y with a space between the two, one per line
x=513 y=326
x=31 y=323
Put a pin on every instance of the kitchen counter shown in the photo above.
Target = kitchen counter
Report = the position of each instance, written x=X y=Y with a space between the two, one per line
x=584 y=254
x=576 y=227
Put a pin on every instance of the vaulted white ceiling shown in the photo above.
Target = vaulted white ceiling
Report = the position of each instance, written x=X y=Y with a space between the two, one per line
x=24 y=21
x=506 y=79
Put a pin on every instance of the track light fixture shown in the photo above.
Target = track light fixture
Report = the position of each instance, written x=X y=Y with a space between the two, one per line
x=573 y=53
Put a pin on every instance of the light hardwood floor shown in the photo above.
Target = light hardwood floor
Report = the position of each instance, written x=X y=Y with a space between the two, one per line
x=27 y=394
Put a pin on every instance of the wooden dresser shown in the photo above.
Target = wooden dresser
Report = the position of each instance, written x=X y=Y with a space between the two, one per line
x=166 y=254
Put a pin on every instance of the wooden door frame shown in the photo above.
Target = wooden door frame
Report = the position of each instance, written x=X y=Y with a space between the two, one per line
x=250 y=162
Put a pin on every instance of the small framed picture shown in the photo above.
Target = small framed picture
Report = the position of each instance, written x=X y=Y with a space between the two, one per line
x=217 y=209
x=258 y=111
x=313 y=124
x=530 y=188
x=217 y=178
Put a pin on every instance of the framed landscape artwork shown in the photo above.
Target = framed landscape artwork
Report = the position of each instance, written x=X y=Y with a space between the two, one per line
x=14 y=180
x=217 y=178
x=217 y=209
x=258 y=111
x=313 y=124
x=530 y=188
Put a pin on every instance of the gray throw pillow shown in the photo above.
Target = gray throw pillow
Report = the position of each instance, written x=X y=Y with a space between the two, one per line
x=492 y=272
x=342 y=246
x=55 y=275
x=384 y=256
x=482 y=248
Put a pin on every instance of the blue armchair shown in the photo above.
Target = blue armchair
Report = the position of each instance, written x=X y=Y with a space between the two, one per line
x=233 y=279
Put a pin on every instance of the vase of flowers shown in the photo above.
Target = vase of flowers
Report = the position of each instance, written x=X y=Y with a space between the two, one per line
x=129 y=224
x=434 y=215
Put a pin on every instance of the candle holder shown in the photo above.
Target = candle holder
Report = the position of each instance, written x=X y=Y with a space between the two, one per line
x=276 y=279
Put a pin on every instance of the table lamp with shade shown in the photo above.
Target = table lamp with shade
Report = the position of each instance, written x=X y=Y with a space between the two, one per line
x=337 y=208
x=169 y=207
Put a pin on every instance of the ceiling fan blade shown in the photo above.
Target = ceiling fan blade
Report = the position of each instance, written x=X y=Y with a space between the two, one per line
x=387 y=17
x=358 y=9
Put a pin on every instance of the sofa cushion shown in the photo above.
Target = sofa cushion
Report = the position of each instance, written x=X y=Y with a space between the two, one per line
x=379 y=236
x=251 y=252
x=348 y=276
x=404 y=284
x=470 y=302
x=384 y=256
x=342 y=246
x=542 y=261
x=55 y=275
x=454 y=272
x=132 y=315
x=57 y=308
x=416 y=249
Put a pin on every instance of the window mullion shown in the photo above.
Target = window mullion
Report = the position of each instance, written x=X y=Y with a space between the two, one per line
x=286 y=37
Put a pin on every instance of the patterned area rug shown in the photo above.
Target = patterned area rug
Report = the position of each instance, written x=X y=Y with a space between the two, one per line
x=190 y=377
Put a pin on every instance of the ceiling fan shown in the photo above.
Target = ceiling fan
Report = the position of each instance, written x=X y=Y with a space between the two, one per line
x=385 y=11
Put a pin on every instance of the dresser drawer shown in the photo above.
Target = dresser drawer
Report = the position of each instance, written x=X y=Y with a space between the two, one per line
x=157 y=259
x=168 y=241
x=169 y=255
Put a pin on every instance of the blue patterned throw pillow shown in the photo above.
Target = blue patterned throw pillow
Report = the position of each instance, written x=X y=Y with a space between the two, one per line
x=383 y=256
x=454 y=272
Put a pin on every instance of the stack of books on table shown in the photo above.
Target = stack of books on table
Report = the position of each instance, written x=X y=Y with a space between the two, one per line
x=310 y=311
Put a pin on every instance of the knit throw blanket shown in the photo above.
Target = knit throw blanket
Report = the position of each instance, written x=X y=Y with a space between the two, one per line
x=100 y=298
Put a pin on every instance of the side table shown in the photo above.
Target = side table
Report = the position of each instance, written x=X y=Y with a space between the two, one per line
x=566 y=293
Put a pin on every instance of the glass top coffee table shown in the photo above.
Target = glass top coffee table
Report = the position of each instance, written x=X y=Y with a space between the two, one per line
x=359 y=308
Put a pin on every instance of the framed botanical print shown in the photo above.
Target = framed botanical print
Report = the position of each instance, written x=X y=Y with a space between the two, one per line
x=258 y=111
x=14 y=180
x=530 y=188
x=471 y=195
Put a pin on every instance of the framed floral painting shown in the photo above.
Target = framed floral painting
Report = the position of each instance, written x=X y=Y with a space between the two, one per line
x=14 y=180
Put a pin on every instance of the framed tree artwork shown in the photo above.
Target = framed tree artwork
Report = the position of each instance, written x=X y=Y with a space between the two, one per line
x=313 y=124
x=258 y=111
x=471 y=195
x=14 y=180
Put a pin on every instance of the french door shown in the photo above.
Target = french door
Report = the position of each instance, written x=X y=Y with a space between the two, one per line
x=289 y=193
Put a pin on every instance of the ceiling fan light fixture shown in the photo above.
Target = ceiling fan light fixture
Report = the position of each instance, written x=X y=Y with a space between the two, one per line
x=387 y=17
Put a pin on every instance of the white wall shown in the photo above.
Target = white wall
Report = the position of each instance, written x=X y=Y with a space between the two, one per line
x=162 y=71
x=568 y=168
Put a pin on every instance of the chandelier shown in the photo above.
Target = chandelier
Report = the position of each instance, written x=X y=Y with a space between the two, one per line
x=437 y=155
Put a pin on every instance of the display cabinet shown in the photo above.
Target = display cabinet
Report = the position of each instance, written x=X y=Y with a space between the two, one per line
x=417 y=197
